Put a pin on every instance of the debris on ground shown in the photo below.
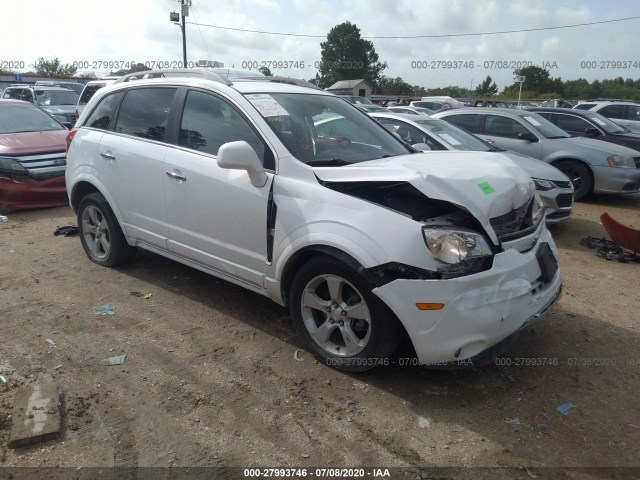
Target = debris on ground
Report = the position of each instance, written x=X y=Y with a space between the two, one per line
x=3 y=379
x=50 y=342
x=296 y=357
x=117 y=360
x=565 y=407
x=66 y=231
x=610 y=250
x=36 y=415
x=106 y=310
x=148 y=296
x=3 y=218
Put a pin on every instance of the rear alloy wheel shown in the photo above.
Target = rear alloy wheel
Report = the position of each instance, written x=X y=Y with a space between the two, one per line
x=580 y=177
x=100 y=233
x=339 y=318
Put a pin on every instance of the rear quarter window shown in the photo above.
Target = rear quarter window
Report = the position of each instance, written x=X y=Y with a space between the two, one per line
x=103 y=113
x=88 y=92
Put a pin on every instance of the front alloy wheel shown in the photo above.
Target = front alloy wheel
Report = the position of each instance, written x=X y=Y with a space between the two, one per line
x=339 y=318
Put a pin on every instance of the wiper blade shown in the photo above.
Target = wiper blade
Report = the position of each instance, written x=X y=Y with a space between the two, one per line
x=333 y=162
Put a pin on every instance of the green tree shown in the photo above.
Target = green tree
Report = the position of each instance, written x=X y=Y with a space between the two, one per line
x=487 y=88
x=537 y=80
x=265 y=71
x=137 y=67
x=54 y=68
x=396 y=86
x=347 y=56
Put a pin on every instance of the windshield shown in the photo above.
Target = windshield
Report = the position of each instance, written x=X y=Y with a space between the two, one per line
x=544 y=126
x=26 y=118
x=324 y=130
x=604 y=123
x=454 y=136
x=56 y=97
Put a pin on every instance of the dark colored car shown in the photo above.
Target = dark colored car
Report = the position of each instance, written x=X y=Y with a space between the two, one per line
x=584 y=123
x=32 y=158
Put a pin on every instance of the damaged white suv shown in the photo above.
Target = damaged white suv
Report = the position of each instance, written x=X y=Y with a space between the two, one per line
x=297 y=195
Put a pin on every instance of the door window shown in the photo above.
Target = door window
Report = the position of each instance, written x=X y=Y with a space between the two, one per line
x=612 y=111
x=633 y=112
x=208 y=122
x=468 y=122
x=503 y=127
x=571 y=123
x=144 y=112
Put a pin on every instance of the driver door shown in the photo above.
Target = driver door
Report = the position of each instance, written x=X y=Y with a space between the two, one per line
x=216 y=218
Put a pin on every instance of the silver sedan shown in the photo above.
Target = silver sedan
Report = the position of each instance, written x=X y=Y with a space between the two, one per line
x=425 y=133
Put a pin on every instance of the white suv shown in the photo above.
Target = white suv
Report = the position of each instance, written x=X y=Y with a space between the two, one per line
x=297 y=195
x=626 y=114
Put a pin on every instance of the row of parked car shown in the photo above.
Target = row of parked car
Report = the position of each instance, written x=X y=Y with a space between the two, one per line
x=371 y=227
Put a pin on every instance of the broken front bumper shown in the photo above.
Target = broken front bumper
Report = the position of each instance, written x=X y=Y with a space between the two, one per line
x=479 y=310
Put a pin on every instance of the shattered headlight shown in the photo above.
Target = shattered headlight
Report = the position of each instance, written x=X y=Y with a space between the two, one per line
x=537 y=209
x=452 y=247
x=621 y=161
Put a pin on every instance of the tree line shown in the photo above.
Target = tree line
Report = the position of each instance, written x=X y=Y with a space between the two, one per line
x=345 y=55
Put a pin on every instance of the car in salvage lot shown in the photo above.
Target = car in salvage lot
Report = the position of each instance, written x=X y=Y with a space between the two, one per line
x=584 y=123
x=32 y=157
x=554 y=187
x=592 y=165
x=364 y=238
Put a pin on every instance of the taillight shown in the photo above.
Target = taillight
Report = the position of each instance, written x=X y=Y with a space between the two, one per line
x=70 y=136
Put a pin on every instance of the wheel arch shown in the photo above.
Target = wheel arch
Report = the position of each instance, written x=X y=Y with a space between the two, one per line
x=557 y=161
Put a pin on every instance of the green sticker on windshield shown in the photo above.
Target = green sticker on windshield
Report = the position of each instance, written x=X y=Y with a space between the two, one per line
x=486 y=188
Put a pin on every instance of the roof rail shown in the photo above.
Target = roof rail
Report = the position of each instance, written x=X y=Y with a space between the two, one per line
x=288 y=80
x=174 y=72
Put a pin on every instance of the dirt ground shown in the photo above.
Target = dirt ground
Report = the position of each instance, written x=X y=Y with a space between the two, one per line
x=211 y=377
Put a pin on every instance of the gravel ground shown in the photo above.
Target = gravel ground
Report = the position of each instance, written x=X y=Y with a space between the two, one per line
x=211 y=376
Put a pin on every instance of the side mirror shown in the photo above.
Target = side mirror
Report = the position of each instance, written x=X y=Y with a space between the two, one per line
x=423 y=147
x=240 y=156
x=592 y=132
x=528 y=136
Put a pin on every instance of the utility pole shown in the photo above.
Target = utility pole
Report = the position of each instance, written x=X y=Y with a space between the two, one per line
x=175 y=18
x=521 y=79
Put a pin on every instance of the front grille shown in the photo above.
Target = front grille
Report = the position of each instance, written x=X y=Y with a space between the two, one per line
x=44 y=165
x=564 y=200
x=562 y=184
x=514 y=221
x=637 y=160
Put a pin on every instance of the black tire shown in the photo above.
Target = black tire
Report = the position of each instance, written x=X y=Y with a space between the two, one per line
x=348 y=327
x=100 y=234
x=580 y=176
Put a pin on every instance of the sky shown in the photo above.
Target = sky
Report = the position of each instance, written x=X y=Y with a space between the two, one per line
x=92 y=33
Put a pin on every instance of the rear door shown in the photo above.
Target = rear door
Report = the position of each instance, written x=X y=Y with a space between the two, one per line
x=503 y=131
x=632 y=117
x=216 y=217
x=131 y=156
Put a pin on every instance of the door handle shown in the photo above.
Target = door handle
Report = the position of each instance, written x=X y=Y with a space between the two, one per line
x=176 y=176
x=108 y=156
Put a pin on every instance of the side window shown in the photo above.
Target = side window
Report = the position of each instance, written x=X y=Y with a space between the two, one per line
x=144 y=112
x=13 y=93
x=633 y=112
x=612 y=111
x=27 y=95
x=571 y=123
x=502 y=127
x=468 y=122
x=209 y=122
x=103 y=113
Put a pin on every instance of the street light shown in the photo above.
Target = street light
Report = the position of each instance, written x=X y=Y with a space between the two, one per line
x=520 y=78
x=175 y=18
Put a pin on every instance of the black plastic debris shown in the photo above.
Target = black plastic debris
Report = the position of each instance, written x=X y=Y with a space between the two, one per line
x=609 y=250
x=66 y=231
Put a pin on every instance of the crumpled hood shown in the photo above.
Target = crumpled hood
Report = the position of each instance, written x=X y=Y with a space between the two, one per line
x=486 y=184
